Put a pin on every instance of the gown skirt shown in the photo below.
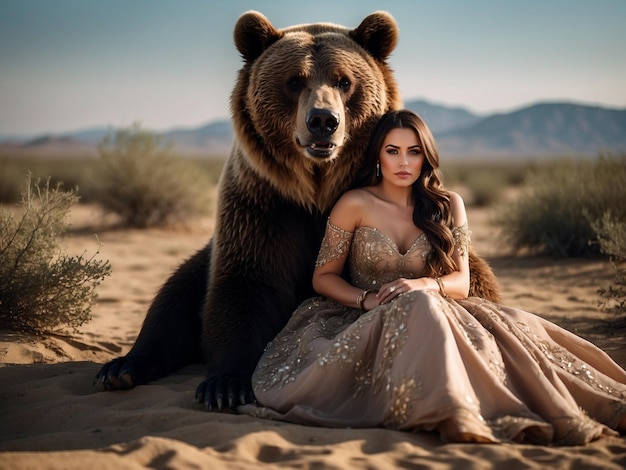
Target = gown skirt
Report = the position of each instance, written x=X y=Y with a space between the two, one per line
x=470 y=368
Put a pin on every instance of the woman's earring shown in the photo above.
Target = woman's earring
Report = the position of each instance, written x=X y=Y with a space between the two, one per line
x=377 y=169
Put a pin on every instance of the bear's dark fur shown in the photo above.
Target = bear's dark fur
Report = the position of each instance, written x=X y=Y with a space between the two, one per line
x=303 y=108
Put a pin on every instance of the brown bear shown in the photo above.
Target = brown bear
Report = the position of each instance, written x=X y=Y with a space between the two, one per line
x=303 y=108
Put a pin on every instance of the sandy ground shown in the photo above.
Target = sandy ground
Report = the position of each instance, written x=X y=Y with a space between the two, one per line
x=52 y=417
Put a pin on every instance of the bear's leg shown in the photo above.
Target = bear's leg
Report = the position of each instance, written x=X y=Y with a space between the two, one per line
x=241 y=316
x=170 y=336
x=257 y=281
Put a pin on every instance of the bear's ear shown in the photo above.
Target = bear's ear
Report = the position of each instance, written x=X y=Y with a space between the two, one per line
x=253 y=34
x=377 y=34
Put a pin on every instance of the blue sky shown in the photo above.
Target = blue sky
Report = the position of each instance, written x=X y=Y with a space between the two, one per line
x=75 y=64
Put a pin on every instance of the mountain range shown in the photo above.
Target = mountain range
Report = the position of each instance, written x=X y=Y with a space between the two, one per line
x=538 y=130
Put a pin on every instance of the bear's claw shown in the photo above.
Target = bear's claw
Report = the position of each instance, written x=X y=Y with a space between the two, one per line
x=116 y=375
x=225 y=393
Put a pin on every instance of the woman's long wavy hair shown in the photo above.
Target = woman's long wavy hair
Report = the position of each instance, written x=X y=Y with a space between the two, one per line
x=431 y=201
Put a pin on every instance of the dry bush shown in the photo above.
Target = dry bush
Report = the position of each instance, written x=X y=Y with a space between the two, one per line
x=71 y=172
x=41 y=288
x=485 y=189
x=10 y=176
x=553 y=214
x=611 y=236
x=486 y=182
x=145 y=184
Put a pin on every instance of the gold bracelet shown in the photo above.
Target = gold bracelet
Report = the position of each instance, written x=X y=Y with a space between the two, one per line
x=360 y=300
x=442 y=291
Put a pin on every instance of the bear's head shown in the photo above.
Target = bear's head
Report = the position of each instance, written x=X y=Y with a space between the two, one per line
x=306 y=101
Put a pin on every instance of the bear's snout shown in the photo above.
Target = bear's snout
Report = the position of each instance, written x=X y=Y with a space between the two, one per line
x=322 y=123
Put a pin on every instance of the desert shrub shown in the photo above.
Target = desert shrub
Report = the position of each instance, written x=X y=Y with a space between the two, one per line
x=143 y=182
x=486 y=189
x=611 y=236
x=507 y=173
x=554 y=212
x=485 y=182
x=212 y=167
x=10 y=174
x=41 y=288
x=70 y=172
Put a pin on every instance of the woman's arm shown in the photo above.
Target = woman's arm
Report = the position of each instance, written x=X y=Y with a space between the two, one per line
x=327 y=276
x=456 y=284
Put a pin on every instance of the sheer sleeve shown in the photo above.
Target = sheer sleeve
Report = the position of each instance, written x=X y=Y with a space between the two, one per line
x=335 y=245
x=462 y=238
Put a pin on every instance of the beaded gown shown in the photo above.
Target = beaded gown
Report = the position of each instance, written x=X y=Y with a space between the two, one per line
x=497 y=373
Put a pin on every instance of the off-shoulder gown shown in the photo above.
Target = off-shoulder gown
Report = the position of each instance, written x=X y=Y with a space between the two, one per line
x=468 y=367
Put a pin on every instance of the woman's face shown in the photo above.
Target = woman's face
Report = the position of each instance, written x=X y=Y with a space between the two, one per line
x=401 y=157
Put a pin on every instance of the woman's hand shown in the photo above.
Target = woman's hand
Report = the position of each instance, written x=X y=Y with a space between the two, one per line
x=391 y=290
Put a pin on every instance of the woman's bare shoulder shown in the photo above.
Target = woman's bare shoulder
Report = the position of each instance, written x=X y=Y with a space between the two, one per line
x=457 y=207
x=455 y=197
x=350 y=208
x=355 y=198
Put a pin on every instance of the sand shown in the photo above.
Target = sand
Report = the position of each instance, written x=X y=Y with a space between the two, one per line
x=51 y=416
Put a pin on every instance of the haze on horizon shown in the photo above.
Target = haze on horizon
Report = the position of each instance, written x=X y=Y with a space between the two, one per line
x=68 y=65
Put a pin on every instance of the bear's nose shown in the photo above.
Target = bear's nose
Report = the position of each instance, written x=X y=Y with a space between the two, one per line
x=322 y=122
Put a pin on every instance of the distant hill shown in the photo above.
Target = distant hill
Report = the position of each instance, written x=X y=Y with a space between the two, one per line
x=440 y=118
x=545 y=129
x=214 y=138
x=91 y=136
x=48 y=146
x=542 y=129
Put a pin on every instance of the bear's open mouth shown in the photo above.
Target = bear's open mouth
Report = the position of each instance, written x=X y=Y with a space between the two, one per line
x=321 y=149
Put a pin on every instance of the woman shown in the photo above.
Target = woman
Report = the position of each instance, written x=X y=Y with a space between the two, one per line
x=401 y=346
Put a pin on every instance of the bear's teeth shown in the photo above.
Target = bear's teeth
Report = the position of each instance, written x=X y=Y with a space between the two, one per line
x=324 y=145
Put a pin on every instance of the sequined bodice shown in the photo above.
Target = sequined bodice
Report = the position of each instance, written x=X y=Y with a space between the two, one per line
x=375 y=258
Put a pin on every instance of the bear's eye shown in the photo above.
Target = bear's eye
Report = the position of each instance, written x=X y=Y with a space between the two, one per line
x=295 y=84
x=343 y=84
